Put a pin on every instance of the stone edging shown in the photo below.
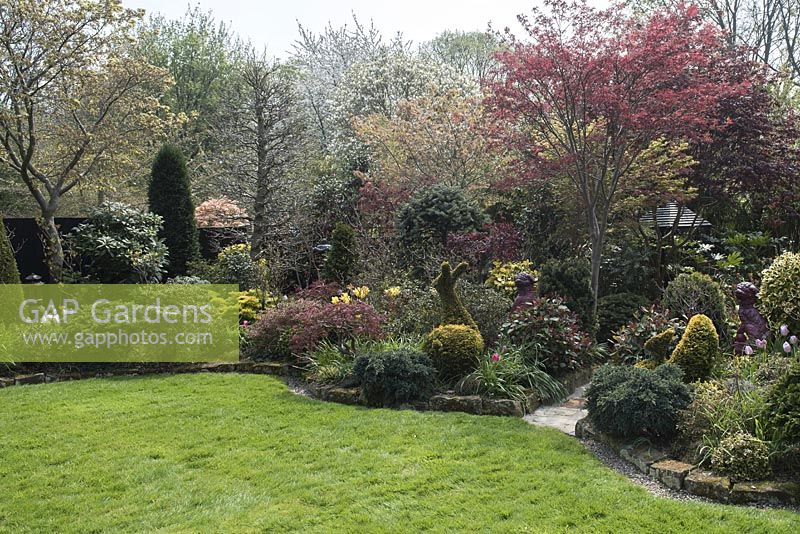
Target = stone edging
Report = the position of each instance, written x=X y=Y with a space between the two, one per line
x=681 y=476
x=450 y=402
x=447 y=402
x=264 y=368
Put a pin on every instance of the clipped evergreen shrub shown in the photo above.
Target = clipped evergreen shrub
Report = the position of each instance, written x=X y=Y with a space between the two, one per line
x=570 y=279
x=615 y=311
x=452 y=309
x=696 y=293
x=394 y=377
x=660 y=345
x=779 y=295
x=342 y=261
x=698 y=349
x=8 y=266
x=454 y=350
x=169 y=195
x=437 y=211
x=635 y=402
x=742 y=457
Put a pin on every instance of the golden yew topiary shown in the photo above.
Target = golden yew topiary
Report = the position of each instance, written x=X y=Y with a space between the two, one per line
x=454 y=349
x=698 y=349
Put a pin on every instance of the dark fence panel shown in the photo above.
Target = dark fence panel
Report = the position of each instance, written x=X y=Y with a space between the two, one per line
x=27 y=244
x=28 y=251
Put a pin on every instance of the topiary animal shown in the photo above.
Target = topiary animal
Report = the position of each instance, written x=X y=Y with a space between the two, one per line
x=454 y=350
x=698 y=349
x=453 y=310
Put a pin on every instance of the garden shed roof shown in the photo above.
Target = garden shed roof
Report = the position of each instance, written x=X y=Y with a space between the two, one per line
x=666 y=215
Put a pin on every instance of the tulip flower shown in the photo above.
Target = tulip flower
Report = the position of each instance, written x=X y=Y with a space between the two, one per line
x=787 y=348
x=793 y=340
x=748 y=350
x=495 y=357
x=784 y=330
x=761 y=343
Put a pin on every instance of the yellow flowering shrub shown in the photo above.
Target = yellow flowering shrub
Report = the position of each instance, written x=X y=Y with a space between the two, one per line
x=502 y=275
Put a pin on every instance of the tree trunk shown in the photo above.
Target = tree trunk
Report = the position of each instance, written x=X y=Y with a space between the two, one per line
x=262 y=184
x=51 y=243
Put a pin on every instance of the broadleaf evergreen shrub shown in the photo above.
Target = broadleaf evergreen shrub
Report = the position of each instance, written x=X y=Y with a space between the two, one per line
x=632 y=402
x=571 y=280
x=779 y=295
x=169 y=195
x=743 y=457
x=550 y=333
x=629 y=340
x=120 y=244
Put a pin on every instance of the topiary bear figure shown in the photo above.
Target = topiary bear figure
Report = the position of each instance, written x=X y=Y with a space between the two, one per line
x=453 y=310
x=659 y=348
x=698 y=349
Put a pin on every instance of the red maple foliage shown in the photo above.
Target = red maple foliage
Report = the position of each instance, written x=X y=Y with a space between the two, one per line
x=591 y=89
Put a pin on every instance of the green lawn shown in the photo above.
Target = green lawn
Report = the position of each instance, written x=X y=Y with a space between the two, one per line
x=239 y=453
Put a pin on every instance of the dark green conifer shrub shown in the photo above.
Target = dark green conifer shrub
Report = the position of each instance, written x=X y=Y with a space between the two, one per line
x=342 y=261
x=635 y=402
x=698 y=349
x=169 y=195
x=394 y=377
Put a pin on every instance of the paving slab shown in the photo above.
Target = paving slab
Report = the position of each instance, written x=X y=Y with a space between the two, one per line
x=562 y=416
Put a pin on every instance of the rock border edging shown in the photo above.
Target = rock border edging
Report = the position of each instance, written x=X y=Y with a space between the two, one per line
x=691 y=478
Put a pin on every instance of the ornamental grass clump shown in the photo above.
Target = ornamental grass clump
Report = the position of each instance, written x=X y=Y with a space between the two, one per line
x=698 y=350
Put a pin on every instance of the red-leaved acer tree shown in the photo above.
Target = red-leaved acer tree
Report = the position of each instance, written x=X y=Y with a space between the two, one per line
x=589 y=90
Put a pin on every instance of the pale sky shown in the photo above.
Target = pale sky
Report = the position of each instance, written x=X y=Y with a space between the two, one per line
x=274 y=23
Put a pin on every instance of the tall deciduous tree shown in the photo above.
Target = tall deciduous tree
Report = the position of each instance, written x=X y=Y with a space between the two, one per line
x=75 y=107
x=592 y=89
x=170 y=196
x=262 y=128
x=471 y=54
x=202 y=55
x=435 y=138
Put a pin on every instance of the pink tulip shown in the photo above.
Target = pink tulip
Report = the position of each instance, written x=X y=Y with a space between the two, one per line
x=761 y=343
x=748 y=350
x=495 y=357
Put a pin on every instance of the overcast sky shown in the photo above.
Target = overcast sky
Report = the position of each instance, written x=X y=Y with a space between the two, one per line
x=274 y=23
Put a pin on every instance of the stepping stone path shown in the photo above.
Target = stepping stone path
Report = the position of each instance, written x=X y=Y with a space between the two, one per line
x=562 y=416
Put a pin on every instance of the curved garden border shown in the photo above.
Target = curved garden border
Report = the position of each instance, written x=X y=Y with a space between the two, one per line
x=681 y=476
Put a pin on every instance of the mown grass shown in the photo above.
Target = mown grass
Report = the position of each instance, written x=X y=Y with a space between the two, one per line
x=239 y=453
